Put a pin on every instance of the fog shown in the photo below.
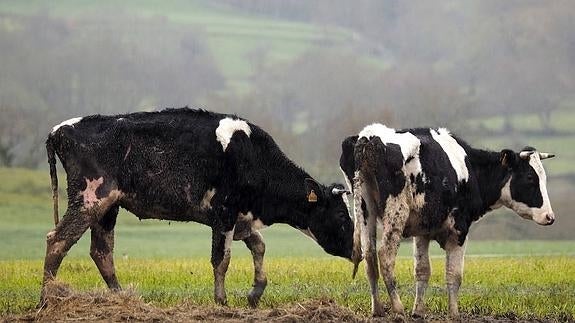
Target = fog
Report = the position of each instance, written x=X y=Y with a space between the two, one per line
x=497 y=73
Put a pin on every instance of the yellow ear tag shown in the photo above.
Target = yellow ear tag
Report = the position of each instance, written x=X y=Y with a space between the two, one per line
x=312 y=197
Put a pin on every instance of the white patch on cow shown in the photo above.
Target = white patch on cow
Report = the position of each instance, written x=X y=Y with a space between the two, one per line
x=308 y=233
x=454 y=151
x=226 y=129
x=208 y=195
x=69 y=122
x=257 y=225
x=229 y=238
x=540 y=213
x=537 y=214
x=413 y=167
x=89 y=194
x=417 y=200
x=408 y=143
x=91 y=200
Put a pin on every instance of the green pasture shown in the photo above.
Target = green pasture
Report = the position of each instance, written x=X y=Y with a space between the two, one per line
x=528 y=287
x=168 y=263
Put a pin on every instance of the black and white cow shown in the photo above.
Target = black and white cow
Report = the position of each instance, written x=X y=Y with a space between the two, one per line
x=186 y=165
x=428 y=184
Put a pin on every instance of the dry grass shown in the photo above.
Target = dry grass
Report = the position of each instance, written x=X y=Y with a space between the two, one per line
x=65 y=304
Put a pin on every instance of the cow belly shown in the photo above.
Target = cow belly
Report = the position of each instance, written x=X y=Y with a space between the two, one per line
x=173 y=212
x=421 y=224
x=413 y=226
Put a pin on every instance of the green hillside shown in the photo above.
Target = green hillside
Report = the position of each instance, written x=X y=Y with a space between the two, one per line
x=227 y=31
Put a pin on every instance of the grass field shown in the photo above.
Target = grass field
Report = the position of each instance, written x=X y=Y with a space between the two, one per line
x=168 y=263
x=528 y=287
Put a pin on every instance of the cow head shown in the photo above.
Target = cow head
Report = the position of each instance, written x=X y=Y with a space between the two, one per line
x=526 y=190
x=329 y=221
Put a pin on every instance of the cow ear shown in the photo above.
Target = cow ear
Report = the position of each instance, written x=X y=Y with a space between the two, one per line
x=313 y=190
x=508 y=158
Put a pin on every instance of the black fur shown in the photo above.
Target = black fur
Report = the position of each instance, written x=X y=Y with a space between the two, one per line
x=163 y=163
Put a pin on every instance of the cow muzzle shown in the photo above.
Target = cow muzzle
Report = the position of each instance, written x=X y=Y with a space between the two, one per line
x=545 y=219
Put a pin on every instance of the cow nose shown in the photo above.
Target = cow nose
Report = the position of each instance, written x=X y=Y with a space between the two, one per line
x=550 y=218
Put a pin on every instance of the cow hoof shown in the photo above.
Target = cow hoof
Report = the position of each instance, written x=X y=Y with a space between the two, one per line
x=455 y=317
x=398 y=309
x=418 y=314
x=378 y=311
x=221 y=301
x=253 y=299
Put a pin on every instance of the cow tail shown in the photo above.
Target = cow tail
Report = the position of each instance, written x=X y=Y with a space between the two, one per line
x=357 y=253
x=359 y=245
x=53 y=175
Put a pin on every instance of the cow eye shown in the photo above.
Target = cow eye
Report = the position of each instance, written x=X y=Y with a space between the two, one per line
x=530 y=178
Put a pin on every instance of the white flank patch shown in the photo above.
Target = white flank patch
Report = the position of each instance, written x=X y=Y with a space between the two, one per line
x=89 y=194
x=69 y=122
x=408 y=143
x=226 y=130
x=208 y=195
x=454 y=151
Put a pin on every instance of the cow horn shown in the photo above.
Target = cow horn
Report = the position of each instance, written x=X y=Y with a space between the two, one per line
x=546 y=155
x=526 y=153
x=339 y=191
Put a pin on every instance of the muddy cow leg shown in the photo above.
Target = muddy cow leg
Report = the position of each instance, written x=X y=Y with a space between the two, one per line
x=221 y=254
x=369 y=243
x=102 y=247
x=453 y=274
x=256 y=245
x=422 y=272
x=387 y=253
x=60 y=240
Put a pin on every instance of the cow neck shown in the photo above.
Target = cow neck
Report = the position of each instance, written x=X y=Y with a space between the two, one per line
x=491 y=176
x=285 y=196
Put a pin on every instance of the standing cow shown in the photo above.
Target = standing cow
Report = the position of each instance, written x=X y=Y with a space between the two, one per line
x=186 y=165
x=430 y=185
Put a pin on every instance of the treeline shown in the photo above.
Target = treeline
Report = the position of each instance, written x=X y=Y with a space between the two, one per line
x=55 y=68
x=415 y=63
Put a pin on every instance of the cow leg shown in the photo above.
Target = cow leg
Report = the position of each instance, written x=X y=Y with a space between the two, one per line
x=221 y=254
x=422 y=272
x=453 y=274
x=256 y=245
x=102 y=247
x=387 y=253
x=369 y=242
x=60 y=240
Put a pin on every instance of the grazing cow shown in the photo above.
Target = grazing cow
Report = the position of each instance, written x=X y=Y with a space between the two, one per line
x=430 y=185
x=186 y=165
